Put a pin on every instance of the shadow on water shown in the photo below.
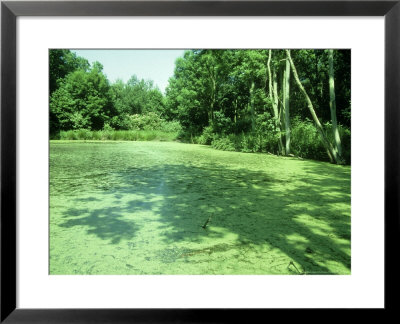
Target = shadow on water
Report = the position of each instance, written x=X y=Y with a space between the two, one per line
x=302 y=216
x=105 y=223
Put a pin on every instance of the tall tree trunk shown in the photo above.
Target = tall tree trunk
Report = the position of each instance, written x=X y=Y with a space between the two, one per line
x=332 y=105
x=273 y=95
x=213 y=96
x=331 y=151
x=235 y=104
x=286 y=91
x=278 y=109
x=253 y=126
x=212 y=75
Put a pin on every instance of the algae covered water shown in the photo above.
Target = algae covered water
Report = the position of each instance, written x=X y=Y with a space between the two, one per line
x=174 y=208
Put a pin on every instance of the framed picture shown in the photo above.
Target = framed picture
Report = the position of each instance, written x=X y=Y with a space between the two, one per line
x=231 y=31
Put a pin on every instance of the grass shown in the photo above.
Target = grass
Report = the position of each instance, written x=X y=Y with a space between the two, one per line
x=174 y=208
x=118 y=135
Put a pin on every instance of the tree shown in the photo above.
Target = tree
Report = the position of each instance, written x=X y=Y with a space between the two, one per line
x=208 y=62
x=61 y=63
x=188 y=93
x=242 y=97
x=82 y=100
x=249 y=72
x=332 y=105
x=274 y=99
x=331 y=151
x=286 y=91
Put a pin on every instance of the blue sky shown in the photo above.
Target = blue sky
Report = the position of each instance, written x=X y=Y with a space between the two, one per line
x=156 y=65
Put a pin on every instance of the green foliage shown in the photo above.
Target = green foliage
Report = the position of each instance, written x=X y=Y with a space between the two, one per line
x=81 y=101
x=313 y=72
x=345 y=137
x=221 y=97
x=62 y=107
x=149 y=121
x=171 y=126
x=215 y=97
x=224 y=143
x=168 y=131
x=220 y=123
x=136 y=97
x=116 y=135
x=249 y=143
x=306 y=141
x=212 y=87
x=267 y=133
x=61 y=63
x=263 y=139
x=207 y=136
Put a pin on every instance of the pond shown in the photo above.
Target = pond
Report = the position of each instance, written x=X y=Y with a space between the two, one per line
x=175 y=208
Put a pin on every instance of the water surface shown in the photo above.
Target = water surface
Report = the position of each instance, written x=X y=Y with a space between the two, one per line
x=174 y=208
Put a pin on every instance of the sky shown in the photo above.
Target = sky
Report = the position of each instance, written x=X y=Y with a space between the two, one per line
x=156 y=65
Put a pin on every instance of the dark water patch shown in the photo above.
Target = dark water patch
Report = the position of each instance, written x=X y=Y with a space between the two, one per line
x=105 y=223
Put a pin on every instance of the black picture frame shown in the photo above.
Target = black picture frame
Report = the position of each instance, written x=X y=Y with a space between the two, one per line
x=10 y=10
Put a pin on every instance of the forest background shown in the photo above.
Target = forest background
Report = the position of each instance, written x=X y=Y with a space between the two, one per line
x=284 y=102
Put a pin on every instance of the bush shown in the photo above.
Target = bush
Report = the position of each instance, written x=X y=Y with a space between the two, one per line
x=122 y=122
x=223 y=143
x=264 y=138
x=220 y=123
x=117 y=135
x=78 y=134
x=306 y=141
x=149 y=121
x=97 y=135
x=249 y=143
x=207 y=136
x=345 y=138
x=145 y=122
x=68 y=135
x=171 y=127
x=267 y=135
x=106 y=133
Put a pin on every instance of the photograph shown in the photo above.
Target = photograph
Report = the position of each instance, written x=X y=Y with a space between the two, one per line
x=200 y=161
